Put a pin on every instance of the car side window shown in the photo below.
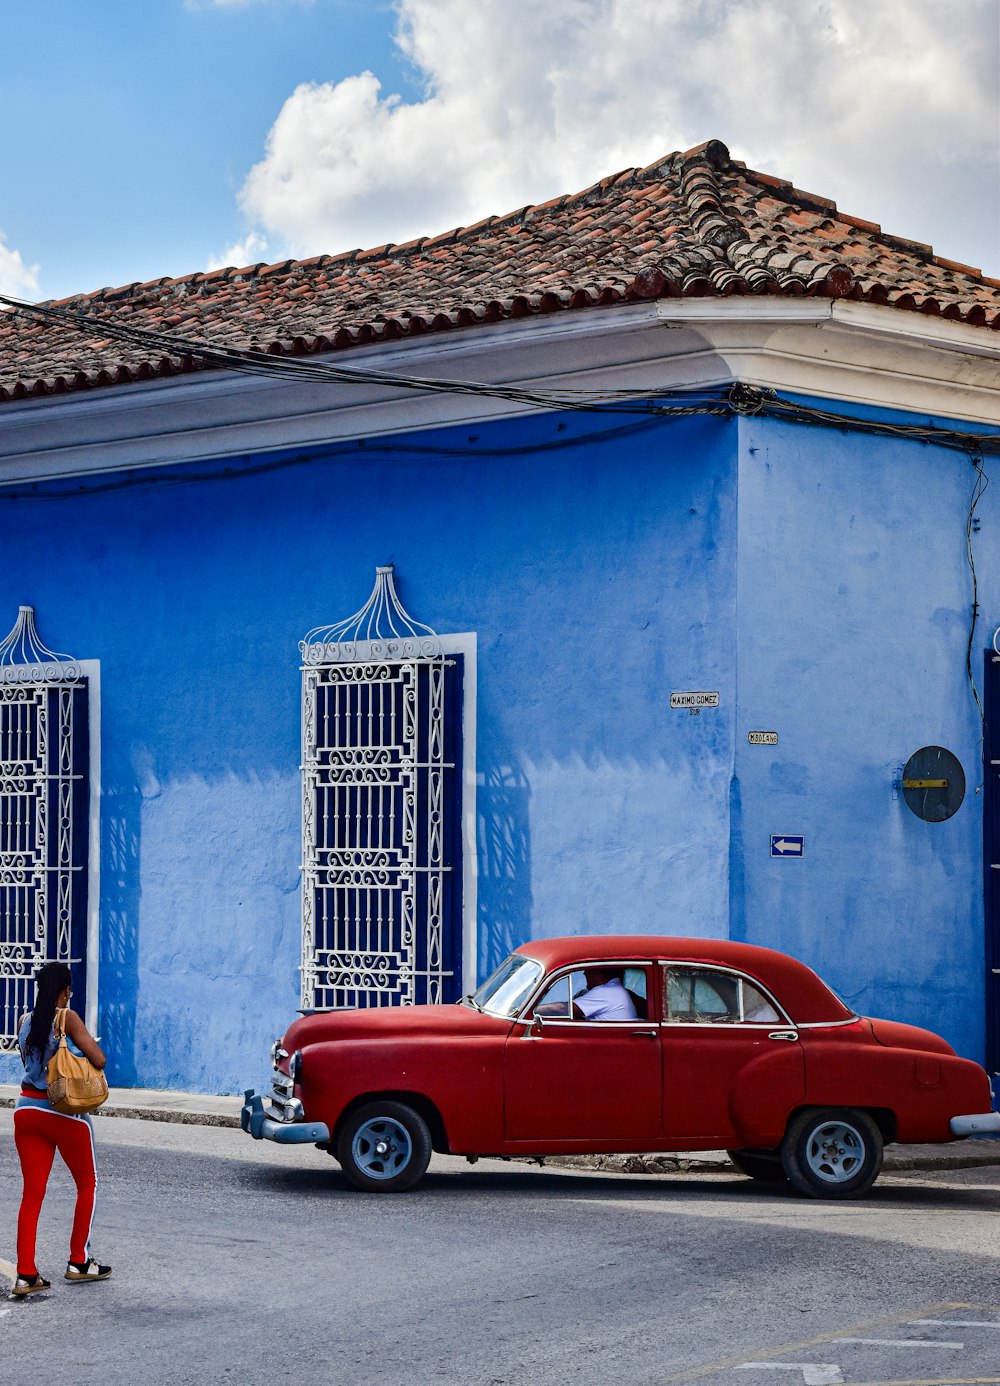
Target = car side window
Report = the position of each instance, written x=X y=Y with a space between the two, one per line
x=599 y=993
x=705 y=996
x=556 y=1000
x=635 y=982
x=757 y=1009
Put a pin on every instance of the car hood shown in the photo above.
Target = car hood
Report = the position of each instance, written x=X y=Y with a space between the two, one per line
x=392 y=1022
x=895 y=1035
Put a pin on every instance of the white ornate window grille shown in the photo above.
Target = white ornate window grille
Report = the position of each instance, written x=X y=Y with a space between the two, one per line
x=381 y=736
x=44 y=813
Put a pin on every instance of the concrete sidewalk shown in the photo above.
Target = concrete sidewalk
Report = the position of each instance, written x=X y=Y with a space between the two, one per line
x=155 y=1104
x=200 y=1109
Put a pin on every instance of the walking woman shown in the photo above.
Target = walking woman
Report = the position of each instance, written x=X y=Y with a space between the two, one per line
x=39 y=1131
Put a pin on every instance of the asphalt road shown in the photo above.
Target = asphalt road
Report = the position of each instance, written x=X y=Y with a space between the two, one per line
x=237 y=1261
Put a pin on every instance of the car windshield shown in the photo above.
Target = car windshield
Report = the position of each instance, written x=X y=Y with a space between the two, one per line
x=507 y=990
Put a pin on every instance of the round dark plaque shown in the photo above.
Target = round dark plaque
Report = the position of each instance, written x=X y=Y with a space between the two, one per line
x=933 y=784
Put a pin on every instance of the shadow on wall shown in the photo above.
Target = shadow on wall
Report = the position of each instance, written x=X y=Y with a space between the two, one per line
x=737 y=870
x=119 y=981
x=504 y=847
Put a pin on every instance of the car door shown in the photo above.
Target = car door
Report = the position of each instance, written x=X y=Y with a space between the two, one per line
x=595 y=1081
x=732 y=1063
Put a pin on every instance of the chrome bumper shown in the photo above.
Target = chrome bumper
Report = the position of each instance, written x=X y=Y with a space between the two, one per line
x=264 y=1123
x=982 y=1124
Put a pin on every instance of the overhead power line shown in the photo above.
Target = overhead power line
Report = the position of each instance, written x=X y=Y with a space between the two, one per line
x=726 y=401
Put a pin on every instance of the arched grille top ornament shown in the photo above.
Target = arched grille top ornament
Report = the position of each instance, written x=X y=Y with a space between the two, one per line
x=382 y=631
x=24 y=659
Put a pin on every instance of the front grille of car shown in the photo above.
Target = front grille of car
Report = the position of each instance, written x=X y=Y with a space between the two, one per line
x=286 y=1106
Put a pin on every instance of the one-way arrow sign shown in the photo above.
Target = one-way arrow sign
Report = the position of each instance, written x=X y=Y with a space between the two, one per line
x=787 y=845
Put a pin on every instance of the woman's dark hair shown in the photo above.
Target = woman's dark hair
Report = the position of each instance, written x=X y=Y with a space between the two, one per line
x=51 y=980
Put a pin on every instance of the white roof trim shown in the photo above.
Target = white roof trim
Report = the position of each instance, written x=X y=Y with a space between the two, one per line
x=853 y=352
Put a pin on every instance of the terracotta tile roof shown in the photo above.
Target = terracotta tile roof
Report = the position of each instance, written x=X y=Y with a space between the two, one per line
x=693 y=224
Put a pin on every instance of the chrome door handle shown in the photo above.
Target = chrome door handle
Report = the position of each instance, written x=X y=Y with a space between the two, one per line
x=784 y=1035
x=649 y=1034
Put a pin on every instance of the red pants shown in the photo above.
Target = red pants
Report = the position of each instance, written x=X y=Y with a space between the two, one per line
x=38 y=1134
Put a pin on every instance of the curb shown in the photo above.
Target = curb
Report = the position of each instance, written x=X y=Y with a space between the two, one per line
x=695 y=1163
x=969 y=1154
x=175 y=1115
x=966 y=1154
x=188 y=1114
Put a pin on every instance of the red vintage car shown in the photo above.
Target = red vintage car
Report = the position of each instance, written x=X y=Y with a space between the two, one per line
x=594 y=1045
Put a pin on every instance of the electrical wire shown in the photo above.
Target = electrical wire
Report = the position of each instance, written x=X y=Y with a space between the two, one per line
x=737 y=399
x=971 y=523
x=234 y=469
x=249 y=361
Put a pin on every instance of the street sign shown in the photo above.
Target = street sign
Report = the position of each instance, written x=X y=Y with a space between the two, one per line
x=787 y=845
x=694 y=701
x=762 y=738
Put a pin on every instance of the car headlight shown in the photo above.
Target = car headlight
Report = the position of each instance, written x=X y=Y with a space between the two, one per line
x=295 y=1066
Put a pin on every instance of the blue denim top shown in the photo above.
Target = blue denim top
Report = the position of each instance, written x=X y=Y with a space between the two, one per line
x=35 y=1068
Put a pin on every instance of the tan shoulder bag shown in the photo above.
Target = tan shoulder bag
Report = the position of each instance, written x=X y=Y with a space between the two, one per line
x=75 y=1085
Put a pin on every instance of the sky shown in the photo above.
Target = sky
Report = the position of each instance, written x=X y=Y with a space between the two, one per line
x=151 y=138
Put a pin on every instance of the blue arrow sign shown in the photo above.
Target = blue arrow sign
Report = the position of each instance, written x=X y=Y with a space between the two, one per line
x=787 y=845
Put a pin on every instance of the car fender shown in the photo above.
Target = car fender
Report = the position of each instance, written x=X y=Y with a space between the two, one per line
x=463 y=1082
x=922 y=1089
x=764 y=1094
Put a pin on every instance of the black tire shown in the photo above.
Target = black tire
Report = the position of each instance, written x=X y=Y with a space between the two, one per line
x=762 y=1165
x=832 y=1152
x=384 y=1147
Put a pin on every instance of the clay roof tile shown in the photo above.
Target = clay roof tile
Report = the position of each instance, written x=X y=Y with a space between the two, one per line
x=697 y=223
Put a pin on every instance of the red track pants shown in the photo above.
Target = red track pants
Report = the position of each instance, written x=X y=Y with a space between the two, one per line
x=38 y=1134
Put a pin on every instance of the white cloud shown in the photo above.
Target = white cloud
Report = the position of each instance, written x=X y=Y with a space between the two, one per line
x=249 y=251
x=16 y=278
x=890 y=108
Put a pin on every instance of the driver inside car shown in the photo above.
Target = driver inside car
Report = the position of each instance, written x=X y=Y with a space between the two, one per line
x=605 y=998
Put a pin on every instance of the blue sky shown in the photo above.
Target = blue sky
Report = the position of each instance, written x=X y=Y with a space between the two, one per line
x=136 y=121
x=159 y=137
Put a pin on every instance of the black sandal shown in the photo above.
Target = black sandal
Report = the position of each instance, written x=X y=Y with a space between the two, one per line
x=29 y=1285
x=86 y=1270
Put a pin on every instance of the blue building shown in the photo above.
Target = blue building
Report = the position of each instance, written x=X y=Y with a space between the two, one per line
x=621 y=564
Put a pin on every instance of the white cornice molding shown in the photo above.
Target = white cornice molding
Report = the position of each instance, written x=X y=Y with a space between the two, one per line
x=852 y=352
x=885 y=321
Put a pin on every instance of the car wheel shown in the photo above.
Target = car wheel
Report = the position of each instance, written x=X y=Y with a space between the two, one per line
x=384 y=1147
x=832 y=1152
x=764 y=1165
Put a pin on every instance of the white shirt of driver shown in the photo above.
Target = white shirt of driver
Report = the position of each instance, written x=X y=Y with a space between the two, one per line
x=609 y=1001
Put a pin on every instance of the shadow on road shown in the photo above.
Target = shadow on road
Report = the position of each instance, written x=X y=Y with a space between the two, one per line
x=522 y=1181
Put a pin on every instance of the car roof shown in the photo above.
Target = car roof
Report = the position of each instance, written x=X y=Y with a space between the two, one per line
x=804 y=996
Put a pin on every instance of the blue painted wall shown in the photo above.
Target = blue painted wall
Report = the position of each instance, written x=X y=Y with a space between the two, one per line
x=855 y=604
x=816 y=579
x=599 y=573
